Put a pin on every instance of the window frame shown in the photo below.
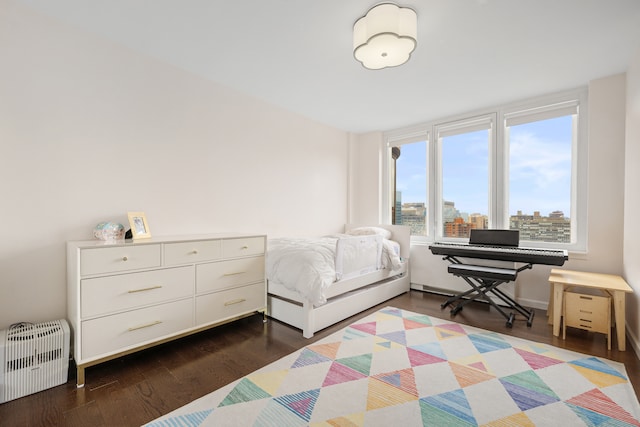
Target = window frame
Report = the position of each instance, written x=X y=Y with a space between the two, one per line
x=544 y=106
x=405 y=136
x=459 y=127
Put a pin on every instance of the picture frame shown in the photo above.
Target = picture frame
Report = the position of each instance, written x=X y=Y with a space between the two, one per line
x=139 y=225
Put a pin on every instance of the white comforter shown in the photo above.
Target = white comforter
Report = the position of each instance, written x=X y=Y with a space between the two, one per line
x=307 y=265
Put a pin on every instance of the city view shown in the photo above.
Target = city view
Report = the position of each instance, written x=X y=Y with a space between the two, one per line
x=554 y=227
x=530 y=177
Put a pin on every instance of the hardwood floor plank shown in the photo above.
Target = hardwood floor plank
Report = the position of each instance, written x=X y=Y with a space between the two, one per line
x=140 y=387
x=88 y=415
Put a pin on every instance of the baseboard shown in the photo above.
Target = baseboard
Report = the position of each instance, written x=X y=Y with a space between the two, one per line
x=635 y=345
x=432 y=289
x=541 y=305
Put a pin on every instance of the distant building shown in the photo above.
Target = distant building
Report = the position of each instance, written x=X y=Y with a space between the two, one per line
x=449 y=212
x=554 y=228
x=398 y=208
x=415 y=216
x=479 y=221
x=458 y=228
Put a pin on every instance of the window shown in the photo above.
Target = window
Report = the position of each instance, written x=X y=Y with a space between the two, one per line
x=464 y=148
x=540 y=162
x=409 y=196
x=515 y=167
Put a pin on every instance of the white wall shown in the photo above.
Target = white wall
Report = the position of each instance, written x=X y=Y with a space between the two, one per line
x=631 y=259
x=90 y=130
x=365 y=177
x=605 y=202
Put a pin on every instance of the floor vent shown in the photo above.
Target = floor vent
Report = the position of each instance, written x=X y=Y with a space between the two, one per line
x=33 y=357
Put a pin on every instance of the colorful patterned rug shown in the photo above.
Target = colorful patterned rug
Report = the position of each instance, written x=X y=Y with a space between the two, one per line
x=398 y=368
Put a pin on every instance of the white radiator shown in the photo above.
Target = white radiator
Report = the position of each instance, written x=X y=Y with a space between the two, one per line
x=33 y=357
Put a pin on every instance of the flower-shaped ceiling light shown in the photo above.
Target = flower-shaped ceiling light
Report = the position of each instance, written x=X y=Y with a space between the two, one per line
x=385 y=36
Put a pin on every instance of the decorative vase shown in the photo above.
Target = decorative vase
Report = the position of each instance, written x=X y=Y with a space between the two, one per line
x=109 y=231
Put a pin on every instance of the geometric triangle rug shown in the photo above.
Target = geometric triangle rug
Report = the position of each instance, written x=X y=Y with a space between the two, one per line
x=399 y=368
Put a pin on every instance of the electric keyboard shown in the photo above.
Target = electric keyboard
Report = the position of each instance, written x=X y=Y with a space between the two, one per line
x=501 y=253
x=497 y=245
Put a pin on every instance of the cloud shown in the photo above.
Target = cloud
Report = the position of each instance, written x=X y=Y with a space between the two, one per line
x=540 y=173
x=538 y=162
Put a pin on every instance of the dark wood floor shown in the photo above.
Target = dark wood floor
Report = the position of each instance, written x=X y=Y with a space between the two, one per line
x=140 y=387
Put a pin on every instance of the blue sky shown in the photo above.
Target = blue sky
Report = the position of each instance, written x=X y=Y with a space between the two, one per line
x=539 y=169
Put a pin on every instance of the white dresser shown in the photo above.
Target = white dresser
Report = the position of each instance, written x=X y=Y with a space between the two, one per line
x=128 y=295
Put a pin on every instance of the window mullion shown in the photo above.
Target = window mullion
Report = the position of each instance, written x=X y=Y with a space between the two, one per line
x=500 y=198
x=435 y=196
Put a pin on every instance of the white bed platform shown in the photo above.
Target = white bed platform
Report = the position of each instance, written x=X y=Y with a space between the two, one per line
x=345 y=297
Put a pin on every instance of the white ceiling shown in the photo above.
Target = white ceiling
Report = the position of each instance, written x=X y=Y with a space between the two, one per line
x=297 y=54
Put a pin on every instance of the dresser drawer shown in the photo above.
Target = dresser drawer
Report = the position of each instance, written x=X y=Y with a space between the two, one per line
x=232 y=302
x=215 y=276
x=190 y=252
x=118 y=258
x=247 y=246
x=589 y=312
x=118 y=332
x=102 y=295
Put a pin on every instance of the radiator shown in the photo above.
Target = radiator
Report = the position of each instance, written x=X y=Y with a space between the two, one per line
x=33 y=357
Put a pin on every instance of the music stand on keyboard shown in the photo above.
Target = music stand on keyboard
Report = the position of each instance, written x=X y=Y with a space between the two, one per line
x=494 y=237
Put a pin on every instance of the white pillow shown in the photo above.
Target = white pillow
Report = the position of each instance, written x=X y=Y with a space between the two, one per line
x=363 y=231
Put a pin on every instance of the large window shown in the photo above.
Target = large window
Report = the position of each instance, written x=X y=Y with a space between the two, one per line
x=409 y=204
x=464 y=151
x=540 y=172
x=515 y=167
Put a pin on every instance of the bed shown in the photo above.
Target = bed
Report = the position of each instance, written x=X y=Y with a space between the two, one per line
x=315 y=283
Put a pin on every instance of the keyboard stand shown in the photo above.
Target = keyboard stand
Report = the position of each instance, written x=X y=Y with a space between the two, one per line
x=484 y=280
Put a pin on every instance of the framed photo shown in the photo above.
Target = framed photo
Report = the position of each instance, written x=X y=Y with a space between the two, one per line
x=139 y=225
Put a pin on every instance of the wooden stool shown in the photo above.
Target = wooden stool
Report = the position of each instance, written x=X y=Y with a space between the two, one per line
x=588 y=309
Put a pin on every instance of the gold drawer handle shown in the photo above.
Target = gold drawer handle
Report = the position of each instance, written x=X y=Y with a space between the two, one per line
x=133 y=291
x=235 y=301
x=245 y=247
x=234 y=274
x=148 y=325
x=124 y=258
x=194 y=252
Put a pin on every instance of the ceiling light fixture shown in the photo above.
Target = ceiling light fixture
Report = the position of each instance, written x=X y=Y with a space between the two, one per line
x=385 y=36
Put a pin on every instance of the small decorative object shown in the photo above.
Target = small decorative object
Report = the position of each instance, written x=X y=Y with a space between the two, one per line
x=108 y=231
x=139 y=225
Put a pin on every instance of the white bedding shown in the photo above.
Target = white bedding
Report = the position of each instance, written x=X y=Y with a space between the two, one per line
x=310 y=265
